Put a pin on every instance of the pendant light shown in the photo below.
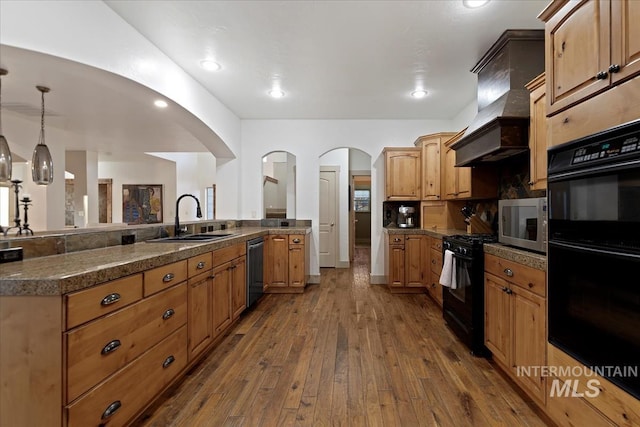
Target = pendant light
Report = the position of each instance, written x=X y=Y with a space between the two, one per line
x=5 y=152
x=41 y=163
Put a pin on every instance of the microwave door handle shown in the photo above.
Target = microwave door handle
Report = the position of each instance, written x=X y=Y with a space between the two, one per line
x=595 y=251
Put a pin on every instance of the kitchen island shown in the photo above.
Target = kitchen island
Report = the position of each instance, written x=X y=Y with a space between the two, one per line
x=95 y=336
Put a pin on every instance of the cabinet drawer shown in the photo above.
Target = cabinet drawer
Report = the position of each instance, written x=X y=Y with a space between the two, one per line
x=131 y=388
x=99 y=348
x=436 y=244
x=296 y=239
x=223 y=255
x=528 y=278
x=199 y=264
x=97 y=301
x=396 y=240
x=436 y=261
x=163 y=277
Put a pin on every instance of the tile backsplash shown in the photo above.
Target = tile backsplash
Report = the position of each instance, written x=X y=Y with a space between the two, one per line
x=514 y=179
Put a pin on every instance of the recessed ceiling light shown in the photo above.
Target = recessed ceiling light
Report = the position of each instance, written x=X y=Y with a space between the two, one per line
x=276 y=93
x=473 y=4
x=210 y=65
x=419 y=93
x=160 y=103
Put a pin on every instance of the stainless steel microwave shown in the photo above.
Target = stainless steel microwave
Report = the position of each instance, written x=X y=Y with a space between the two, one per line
x=523 y=223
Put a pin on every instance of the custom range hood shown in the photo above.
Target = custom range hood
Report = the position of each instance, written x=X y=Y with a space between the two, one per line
x=501 y=128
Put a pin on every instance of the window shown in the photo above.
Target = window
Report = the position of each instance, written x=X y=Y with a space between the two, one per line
x=211 y=202
x=362 y=200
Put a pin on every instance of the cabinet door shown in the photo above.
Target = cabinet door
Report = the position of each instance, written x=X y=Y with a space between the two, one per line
x=296 y=266
x=239 y=286
x=528 y=337
x=221 y=298
x=402 y=174
x=200 y=306
x=278 y=261
x=431 y=169
x=625 y=38
x=414 y=248
x=497 y=318
x=450 y=175
x=538 y=136
x=464 y=182
x=396 y=265
x=578 y=48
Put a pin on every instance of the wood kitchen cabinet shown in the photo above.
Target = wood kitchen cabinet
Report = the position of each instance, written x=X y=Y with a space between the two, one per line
x=590 y=47
x=402 y=172
x=538 y=133
x=431 y=146
x=434 y=288
x=200 y=303
x=515 y=320
x=229 y=286
x=407 y=262
x=286 y=263
x=466 y=182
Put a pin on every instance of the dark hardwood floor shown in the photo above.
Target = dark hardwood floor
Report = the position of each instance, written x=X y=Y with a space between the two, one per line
x=344 y=353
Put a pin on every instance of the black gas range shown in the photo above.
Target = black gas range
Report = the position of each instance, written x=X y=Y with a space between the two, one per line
x=463 y=302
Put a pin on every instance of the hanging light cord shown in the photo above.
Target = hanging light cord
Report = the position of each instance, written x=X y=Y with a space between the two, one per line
x=42 y=122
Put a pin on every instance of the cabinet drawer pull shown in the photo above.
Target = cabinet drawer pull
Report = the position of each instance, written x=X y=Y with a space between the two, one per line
x=168 y=277
x=168 y=361
x=433 y=261
x=602 y=75
x=110 y=299
x=296 y=240
x=614 y=68
x=200 y=265
x=111 y=347
x=111 y=409
x=509 y=291
x=167 y=314
x=508 y=272
x=397 y=239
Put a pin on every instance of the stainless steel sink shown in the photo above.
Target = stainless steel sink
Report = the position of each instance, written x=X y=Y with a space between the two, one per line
x=189 y=238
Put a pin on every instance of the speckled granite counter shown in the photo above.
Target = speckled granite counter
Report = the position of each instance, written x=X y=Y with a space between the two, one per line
x=64 y=273
x=441 y=232
x=530 y=259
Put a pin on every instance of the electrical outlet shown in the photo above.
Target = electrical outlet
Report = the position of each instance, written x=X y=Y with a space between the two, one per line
x=210 y=228
x=128 y=239
x=203 y=229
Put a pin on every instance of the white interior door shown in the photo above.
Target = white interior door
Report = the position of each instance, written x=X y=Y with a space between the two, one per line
x=328 y=216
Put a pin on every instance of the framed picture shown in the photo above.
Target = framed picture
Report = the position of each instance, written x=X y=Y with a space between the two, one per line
x=141 y=204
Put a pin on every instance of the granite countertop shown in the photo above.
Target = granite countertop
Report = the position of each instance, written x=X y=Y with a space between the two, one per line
x=60 y=274
x=530 y=259
x=435 y=232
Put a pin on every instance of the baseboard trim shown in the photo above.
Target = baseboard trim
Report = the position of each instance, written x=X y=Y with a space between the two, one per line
x=342 y=264
x=313 y=279
x=377 y=280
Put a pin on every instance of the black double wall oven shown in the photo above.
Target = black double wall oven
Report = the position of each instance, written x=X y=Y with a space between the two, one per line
x=594 y=252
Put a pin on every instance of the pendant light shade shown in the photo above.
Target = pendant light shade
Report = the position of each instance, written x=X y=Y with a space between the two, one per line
x=41 y=162
x=5 y=152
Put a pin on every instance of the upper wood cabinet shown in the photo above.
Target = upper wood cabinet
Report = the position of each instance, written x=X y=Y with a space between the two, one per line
x=431 y=146
x=590 y=45
x=402 y=173
x=538 y=133
x=466 y=182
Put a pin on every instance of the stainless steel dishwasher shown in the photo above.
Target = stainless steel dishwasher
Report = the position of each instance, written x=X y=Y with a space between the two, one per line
x=255 y=250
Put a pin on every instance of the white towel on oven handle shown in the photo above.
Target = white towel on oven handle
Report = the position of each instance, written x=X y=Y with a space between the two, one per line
x=448 y=275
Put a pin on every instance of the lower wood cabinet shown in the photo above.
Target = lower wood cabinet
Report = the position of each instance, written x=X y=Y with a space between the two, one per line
x=434 y=288
x=515 y=321
x=286 y=263
x=407 y=267
x=200 y=292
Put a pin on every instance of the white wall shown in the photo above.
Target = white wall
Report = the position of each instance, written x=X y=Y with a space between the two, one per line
x=84 y=166
x=359 y=161
x=308 y=140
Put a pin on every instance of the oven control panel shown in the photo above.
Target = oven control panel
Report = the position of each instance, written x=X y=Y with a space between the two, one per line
x=606 y=149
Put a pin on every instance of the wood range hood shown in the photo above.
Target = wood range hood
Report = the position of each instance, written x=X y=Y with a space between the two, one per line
x=501 y=127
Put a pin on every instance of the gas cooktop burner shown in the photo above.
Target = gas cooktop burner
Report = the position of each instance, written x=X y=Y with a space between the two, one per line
x=474 y=239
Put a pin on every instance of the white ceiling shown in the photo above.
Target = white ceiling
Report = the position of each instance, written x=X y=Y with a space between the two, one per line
x=334 y=60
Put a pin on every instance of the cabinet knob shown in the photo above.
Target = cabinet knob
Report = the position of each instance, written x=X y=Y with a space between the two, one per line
x=110 y=299
x=168 y=277
x=509 y=291
x=508 y=272
x=168 y=314
x=602 y=75
x=168 y=361
x=200 y=265
x=296 y=240
x=614 y=68
x=111 y=409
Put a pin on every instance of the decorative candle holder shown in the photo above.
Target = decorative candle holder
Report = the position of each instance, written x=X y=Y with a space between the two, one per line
x=26 y=202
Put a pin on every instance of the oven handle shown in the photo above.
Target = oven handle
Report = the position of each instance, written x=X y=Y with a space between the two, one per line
x=594 y=250
x=462 y=257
